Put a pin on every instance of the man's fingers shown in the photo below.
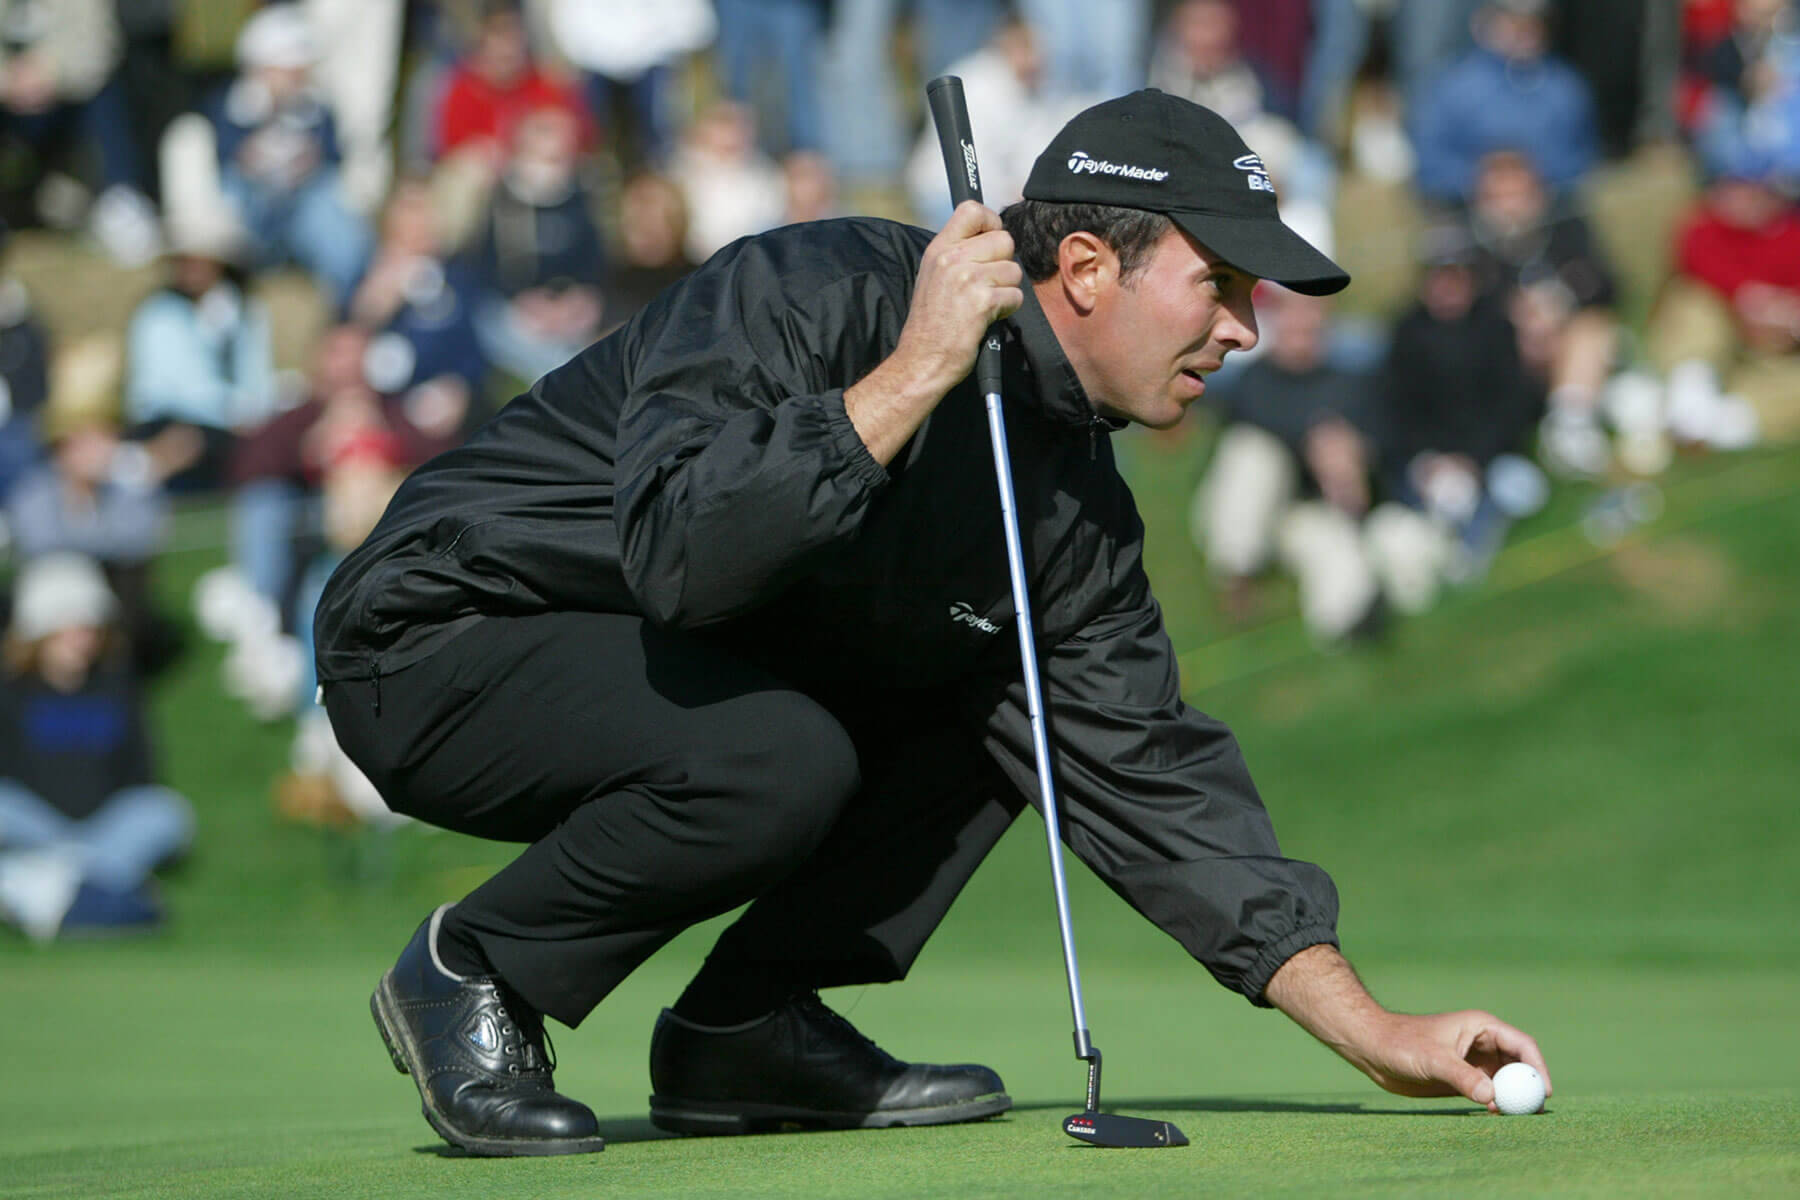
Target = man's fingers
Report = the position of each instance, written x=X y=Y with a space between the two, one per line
x=970 y=218
x=1519 y=1046
x=1008 y=301
x=1470 y=1080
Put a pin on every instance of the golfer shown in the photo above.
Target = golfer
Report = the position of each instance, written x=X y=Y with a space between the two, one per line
x=719 y=612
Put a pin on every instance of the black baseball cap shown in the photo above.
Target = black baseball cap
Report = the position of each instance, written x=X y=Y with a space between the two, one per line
x=1158 y=152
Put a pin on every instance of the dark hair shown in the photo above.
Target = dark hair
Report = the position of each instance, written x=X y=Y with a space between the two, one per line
x=1038 y=228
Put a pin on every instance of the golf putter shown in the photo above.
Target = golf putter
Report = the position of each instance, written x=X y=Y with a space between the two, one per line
x=950 y=114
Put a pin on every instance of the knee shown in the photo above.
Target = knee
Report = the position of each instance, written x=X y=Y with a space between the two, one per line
x=789 y=772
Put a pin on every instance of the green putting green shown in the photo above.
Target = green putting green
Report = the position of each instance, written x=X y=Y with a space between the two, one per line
x=1566 y=796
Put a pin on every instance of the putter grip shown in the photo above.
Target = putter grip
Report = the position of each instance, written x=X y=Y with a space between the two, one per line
x=950 y=115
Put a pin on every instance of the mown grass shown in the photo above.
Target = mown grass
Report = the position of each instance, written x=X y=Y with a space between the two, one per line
x=1567 y=795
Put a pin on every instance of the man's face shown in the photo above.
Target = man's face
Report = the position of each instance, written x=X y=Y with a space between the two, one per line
x=1151 y=338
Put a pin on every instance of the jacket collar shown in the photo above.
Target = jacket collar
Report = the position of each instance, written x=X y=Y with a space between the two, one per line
x=1056 y=387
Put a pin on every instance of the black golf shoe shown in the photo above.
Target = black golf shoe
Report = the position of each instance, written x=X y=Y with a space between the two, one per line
x=479 y=1057
x=802 y=1067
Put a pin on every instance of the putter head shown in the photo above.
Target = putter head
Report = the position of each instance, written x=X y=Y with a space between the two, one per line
x=1109 y=1129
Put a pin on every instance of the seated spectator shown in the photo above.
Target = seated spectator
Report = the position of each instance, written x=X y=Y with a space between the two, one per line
x=294 y=447
x=199 y=355
x=1734 y=62
x=1458 y=406
x=325 y=787
x=58 y=76
x=283 y=464
x=24 y=376
x=1726 y=330
x=419 y=303
x=652 y=246
x=83 y=823
x=732 y=189
x=279 y=157
x=811 y=188
x=1509 y=91
x=1755 y=126
x=1290 y=481
x=98 y=496
x=539 y=254
x=1540 y=255
x=494 y=85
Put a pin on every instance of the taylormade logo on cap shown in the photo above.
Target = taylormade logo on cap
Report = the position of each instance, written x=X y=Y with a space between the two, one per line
x=1081 y=164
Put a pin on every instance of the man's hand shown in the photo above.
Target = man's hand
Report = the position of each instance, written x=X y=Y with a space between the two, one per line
x=967 y=281
x=1440 y=1054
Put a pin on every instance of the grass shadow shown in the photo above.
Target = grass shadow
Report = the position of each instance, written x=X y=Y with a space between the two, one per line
x=1232 y=1104
x=616 y=1130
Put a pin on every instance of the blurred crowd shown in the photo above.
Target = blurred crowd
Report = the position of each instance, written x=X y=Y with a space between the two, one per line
x=474 y=190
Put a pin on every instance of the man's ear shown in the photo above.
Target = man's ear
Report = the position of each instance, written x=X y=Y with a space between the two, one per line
x=1087 y=268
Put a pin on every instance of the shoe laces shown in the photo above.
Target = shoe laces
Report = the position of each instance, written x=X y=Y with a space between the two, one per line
x=523 y=1035
x=822 y=1013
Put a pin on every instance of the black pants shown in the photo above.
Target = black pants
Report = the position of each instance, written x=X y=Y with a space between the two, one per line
x=660 y=781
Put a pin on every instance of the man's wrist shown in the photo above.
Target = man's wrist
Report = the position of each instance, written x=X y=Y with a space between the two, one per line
x=1320 y=991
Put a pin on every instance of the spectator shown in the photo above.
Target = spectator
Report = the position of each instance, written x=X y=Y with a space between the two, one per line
x=495 y=84
x=199 y=355
x=24 y=376
x=98 y=496
x=1733 y=63
x=58 y=75
x=1011 y=114
x=810 y=186
x=1290 y=481
x=279 y=158
x=1507 y=92
x=418 y=303
x=652 y=245
x=629 y=54
x=866 y=134
x=774 y=46
x=1726 y=329
x=1459 y=405
x=83 y=823
x=539 y=253
x=1541 y=257
x=1757 y=130
x=283 y=464
x=325 y=787
x=731 y=188
x=1091 y=51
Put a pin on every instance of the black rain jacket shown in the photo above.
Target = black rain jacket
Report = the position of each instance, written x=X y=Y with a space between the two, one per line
x=697 y=467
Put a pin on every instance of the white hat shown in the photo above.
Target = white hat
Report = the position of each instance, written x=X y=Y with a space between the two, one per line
x=60 y=591
x=277 y=36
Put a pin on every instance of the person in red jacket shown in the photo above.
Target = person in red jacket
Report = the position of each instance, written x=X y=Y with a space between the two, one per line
x=496 y=84
x=1726 y=329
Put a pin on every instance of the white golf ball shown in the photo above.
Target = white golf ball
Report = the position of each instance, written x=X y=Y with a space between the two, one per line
x=1518 y=1089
